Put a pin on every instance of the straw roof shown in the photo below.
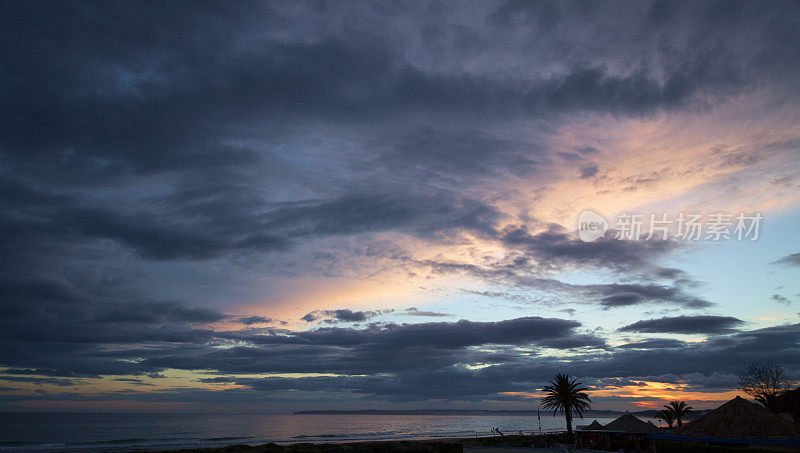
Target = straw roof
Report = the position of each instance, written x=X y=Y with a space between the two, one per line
x=740 y=419
x=628 y=423
x=593 y=426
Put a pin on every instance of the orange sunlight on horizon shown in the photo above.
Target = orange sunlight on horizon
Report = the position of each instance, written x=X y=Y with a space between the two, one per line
x=650 y=395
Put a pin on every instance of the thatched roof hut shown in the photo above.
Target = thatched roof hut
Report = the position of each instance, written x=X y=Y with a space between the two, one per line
x=740 y=419
x=628 y=423
x=593 y=426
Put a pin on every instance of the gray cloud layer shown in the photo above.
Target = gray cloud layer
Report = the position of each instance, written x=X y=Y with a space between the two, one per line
x=686 y=324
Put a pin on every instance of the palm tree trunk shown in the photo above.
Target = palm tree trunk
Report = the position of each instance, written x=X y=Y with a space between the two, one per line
x=680 y=423
x=568 y=415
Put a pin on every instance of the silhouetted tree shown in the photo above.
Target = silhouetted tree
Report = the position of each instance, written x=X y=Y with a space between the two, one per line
x=789 y=402
x=678 y=409
x=667 y=415
x=567 y=396
x=764 y=382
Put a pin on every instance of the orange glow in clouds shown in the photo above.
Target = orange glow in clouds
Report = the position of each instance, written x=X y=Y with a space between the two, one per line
x=650 y=395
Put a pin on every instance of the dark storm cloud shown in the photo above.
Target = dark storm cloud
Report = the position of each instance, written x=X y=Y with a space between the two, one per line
x=413 y=311
x=623 y=295
x=156 y=237
x=430 y=153
x=217 y=380
x=463 y=333
x=412 y=362
x=615 y=382
x=78 y=346
x=52 y=324
x=133 y=381
x=708 y=366
x=250 y=320
x=686 y=324
x=674 y=274
x=146 y=87
x=589 y=171
x=343 y=315
x=370 y=213
x=104 y=108
x=415 y=349
x=58 y=296
x=622 y=299
x=558 y=247
x=719 y=354
x=655 y=343
x=149 y=100
x=562 y=251
x=39 y=380
x=789 y=260
x=780 y=299
x=207 y=230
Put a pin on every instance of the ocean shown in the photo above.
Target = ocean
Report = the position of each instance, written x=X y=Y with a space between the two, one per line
x=156 y=431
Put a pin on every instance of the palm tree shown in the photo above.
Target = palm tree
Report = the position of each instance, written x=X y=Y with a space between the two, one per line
x=678 y=409
x=567 y=396
x=667 y=415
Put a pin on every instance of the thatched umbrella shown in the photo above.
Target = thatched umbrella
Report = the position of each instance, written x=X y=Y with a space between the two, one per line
x=593 y=426
x=628 y=423
x=740 y=419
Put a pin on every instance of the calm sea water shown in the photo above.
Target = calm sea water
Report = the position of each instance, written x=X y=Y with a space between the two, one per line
x=115 y=432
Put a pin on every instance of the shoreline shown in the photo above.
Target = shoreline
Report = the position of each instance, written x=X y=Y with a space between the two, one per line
x=433 y=445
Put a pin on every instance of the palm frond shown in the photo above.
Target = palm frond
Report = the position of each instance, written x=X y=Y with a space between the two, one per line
x=565 y=395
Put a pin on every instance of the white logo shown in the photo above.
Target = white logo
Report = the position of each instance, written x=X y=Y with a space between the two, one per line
x=591 y=226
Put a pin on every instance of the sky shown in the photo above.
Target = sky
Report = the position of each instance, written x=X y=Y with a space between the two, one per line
x=279 y=206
